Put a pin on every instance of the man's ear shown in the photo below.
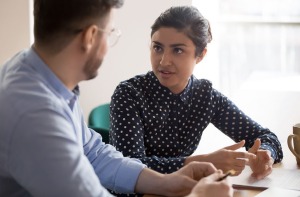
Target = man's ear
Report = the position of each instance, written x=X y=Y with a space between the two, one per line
x=201 y=56
x=89 y=37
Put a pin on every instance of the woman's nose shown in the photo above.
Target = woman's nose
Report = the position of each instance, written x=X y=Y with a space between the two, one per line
x=165 y=59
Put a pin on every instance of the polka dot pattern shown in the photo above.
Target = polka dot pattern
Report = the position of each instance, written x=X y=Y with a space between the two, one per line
x=161 y=129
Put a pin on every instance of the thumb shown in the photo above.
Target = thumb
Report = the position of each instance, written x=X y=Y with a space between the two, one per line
x=236 y=146
x=214 y=176
x=255 y=146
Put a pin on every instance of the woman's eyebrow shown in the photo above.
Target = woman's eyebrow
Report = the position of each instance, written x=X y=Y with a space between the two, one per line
x=172 y=45
x=178 y=45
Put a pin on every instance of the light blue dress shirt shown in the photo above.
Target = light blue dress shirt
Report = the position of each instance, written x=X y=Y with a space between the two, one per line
x=46 y=149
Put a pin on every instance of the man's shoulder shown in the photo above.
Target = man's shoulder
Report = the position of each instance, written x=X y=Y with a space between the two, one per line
x=22 y=90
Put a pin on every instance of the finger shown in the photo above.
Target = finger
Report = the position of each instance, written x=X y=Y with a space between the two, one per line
x=263 y=174
x=251 y=157
x=236 y=146
x=243 y=159
x=239 y=166
x=269 y=152
x=255 y=146
x=210 y=169
x=243 y=155
x=200 y=169
x=265 y=156
x=268 y=156
x=215 y=176
x=240 y=163
x=271 y=162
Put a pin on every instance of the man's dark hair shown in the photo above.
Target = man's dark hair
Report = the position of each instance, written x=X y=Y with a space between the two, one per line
x=55 y=21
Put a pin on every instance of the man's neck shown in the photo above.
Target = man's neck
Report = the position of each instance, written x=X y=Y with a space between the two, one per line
x=64 y=65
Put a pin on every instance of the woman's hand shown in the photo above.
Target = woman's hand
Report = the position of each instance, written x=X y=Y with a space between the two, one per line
x=226 y=158
x=261 y=165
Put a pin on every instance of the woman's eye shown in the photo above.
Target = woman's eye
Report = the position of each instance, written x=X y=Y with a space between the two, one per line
x=178 y=50
x=157 y=48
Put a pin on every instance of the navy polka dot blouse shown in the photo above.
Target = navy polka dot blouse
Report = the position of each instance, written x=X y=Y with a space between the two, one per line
x=161 y=129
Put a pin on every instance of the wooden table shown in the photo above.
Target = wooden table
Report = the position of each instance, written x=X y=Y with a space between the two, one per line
x=288 y=162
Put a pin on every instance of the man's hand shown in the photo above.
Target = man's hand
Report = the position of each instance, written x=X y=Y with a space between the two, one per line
x=209 y=187
x=183 y=181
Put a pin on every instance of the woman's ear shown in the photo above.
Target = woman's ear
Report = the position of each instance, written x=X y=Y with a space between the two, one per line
x=89 y=37
x=201 y=56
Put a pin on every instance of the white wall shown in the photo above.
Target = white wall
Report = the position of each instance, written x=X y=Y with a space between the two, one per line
x=128 y=58
x=15 y=29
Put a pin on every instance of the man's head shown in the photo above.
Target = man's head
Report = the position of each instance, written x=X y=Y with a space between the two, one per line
x=72 y=36
x=56 y=22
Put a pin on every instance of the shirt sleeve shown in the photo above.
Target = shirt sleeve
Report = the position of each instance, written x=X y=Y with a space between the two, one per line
x=238 y=126
x=128 y=136
x=116 y=172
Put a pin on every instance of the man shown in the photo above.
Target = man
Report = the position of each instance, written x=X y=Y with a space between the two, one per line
x=46 y=148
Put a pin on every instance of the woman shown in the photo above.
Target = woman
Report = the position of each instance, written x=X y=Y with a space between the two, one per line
x=159 y=117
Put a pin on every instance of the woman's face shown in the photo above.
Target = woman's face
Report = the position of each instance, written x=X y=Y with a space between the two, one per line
x=173 y=58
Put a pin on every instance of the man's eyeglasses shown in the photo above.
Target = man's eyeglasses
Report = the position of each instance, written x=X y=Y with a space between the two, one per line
x=113 y=35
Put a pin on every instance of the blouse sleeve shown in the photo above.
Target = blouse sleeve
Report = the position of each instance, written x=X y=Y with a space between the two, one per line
x=238 y=126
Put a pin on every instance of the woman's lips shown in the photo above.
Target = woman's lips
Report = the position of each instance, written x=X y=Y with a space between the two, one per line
x=165 y=73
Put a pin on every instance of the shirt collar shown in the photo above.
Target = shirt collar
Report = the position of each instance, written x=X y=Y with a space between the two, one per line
x=51 y=79
x=186 y=94
x=157 y=90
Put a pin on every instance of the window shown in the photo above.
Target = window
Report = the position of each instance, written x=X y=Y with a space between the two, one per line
x=254 y=58
x=258 y=38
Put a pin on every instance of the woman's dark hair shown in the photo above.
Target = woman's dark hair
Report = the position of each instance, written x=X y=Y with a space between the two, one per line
x=56 y=20
x=189 y=20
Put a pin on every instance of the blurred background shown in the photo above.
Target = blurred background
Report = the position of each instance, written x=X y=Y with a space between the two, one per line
x=254 y=57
